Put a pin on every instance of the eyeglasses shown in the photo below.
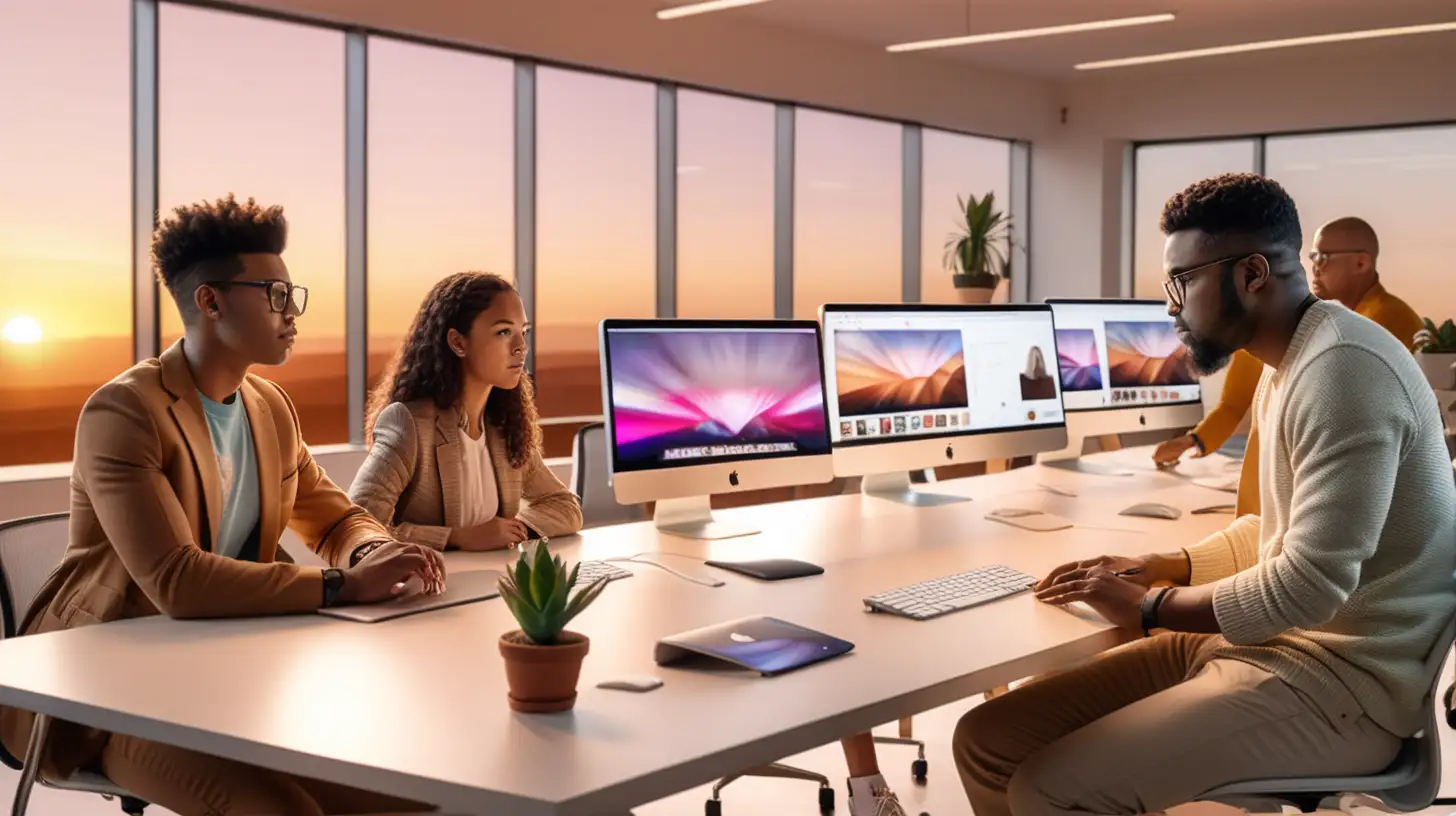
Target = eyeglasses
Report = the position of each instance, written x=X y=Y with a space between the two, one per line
x=280 y=293
x=1177 y=284
x=1321 y=258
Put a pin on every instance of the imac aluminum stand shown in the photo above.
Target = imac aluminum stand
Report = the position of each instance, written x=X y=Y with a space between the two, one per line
x=693 y=518
x=896 y=487
x=1070 y=458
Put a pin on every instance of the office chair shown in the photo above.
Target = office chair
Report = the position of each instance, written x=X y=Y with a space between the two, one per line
x=591 y=483
x=1409 y=784
x=30 y=550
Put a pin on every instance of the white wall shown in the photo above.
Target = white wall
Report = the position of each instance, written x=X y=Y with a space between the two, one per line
x=1352 y=85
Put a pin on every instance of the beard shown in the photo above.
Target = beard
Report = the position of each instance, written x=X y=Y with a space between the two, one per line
x=1208 y=355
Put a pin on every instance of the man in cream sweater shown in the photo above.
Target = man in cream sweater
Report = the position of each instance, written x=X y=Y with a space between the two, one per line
x=1296 y=640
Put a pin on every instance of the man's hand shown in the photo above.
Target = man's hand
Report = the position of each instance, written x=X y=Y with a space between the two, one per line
x=1168 y=453
x=1153 y=569
x=496 y=534
x=383 y=573
x=1119 y=600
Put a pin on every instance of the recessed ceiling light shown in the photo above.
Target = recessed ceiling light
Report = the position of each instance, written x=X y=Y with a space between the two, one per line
x=703 y=8
x=1027 y=33
x=1269 y=45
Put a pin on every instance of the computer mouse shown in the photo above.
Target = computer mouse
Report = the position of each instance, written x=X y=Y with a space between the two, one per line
x=637 y=684
x=1153 y=510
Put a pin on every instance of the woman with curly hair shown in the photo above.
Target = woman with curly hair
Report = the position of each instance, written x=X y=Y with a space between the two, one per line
x=454 y=446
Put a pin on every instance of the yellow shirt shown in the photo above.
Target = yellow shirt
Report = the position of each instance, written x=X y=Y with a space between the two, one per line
x=1242 y=381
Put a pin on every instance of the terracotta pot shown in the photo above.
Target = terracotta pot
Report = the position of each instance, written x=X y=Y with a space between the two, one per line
x=542 y=679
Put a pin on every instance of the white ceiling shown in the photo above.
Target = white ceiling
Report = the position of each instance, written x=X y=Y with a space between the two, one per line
x=1200 y=23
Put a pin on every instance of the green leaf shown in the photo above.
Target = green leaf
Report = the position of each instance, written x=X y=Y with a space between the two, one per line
x=542 y=577
x=583 y=599
x=523 y=574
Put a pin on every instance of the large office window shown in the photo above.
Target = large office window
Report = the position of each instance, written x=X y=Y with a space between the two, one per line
x=725 y=206
x=256 y=107
x=596 y=217
x=848 y=188
x=1401 y=181
x=65 y=217
x=1161 y=171
x=954 y=167
x=441 y=178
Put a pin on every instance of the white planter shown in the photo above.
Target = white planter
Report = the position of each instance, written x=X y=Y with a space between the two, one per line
x=1440 y=369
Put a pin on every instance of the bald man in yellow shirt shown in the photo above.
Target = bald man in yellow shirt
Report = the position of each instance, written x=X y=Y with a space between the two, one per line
x=1343 y=266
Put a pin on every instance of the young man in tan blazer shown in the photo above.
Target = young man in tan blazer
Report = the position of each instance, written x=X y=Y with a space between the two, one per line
x=187 y=469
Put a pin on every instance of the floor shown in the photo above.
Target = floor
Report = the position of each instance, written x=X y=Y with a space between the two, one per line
x=940 y=796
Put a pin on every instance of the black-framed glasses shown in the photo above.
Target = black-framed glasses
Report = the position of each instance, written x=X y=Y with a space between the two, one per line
x=1176 y=286
x=1321 y=258
x=280 y=293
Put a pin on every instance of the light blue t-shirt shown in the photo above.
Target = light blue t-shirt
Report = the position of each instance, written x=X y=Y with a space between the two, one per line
x=232 y=441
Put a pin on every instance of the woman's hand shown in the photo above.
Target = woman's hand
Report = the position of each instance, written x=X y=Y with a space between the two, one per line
x=1118 y=599
x=496 y=534
x=1168 y=453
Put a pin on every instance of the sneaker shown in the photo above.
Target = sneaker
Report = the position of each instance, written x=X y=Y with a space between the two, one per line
x=870 y=796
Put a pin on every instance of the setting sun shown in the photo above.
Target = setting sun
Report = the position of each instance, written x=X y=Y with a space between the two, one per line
x=22 y=331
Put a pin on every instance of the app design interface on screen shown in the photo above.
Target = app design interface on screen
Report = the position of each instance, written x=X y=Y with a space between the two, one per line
x=903 y=375
x=1121 y=355
x=695 y=396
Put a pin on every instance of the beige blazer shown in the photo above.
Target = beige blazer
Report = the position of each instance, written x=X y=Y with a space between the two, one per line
x=146 y=499
x=412 y=478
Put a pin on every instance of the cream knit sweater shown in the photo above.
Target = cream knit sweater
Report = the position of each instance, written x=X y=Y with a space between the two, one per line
x=1343 y=584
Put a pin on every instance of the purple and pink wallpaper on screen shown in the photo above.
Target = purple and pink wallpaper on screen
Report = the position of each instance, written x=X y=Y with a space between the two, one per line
x=689 y=397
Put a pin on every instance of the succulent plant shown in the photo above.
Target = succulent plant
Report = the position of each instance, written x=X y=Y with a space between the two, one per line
x=1434 y=340
x=538 y=592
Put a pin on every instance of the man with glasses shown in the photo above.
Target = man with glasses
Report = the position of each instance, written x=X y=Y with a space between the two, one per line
x=187 y=470
x=1295 y=642
x=1343 y=269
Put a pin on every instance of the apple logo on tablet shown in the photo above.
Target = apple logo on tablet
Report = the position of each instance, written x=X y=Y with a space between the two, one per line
x=738 y=638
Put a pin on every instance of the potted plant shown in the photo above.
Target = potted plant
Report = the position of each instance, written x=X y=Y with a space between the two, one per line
x=974 y=253
x=1436 y=352
x=543 y=660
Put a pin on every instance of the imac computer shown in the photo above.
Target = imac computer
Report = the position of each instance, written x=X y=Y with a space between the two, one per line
x=700 y=407
x=913 y=386
x=1123 y=370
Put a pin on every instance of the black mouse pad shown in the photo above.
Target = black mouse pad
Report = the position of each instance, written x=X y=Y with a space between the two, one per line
x=770 y=569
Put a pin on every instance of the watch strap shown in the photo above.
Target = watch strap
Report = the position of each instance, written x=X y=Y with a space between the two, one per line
x=1151 y=602
x=333 y=586
x=1198 y=443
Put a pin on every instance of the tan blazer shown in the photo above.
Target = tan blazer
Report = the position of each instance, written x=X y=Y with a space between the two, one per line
x=146 y=499
x=412 y=478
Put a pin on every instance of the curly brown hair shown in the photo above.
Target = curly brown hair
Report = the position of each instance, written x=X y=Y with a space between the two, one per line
x=426 y=368
x=201 y=243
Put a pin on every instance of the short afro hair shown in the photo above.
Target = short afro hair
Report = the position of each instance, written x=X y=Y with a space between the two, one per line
x=1236 y=204
x=201 y=242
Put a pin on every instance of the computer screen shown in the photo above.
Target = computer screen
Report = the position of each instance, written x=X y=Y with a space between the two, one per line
x=681 y=393
x=1121 y=354
x=904 y=372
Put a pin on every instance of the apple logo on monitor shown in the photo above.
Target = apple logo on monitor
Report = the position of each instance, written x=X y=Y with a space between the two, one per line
x=1142 y=419
x=740 y=638
x=949 y=452
x=733 y=478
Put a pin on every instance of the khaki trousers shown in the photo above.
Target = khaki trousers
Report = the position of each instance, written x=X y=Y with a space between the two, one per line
x=195 y=784
x=1152 y=725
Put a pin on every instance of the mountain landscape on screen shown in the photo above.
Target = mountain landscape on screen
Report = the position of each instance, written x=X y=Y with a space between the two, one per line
x=1147 y=354
x=894 y=371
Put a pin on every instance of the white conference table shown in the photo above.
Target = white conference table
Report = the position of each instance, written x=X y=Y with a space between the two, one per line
x=416 y=707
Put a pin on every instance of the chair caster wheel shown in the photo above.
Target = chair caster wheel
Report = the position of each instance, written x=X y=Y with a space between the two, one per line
x=713 y=807
x=826 y=800
x=919 y=769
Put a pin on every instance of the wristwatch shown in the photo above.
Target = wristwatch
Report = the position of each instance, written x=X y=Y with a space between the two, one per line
x=1151 y=602
x=1198 y=443
x=333 y=587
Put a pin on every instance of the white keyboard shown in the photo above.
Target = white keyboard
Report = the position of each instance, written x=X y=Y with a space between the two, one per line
x=592 y=570
x=940 y=596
